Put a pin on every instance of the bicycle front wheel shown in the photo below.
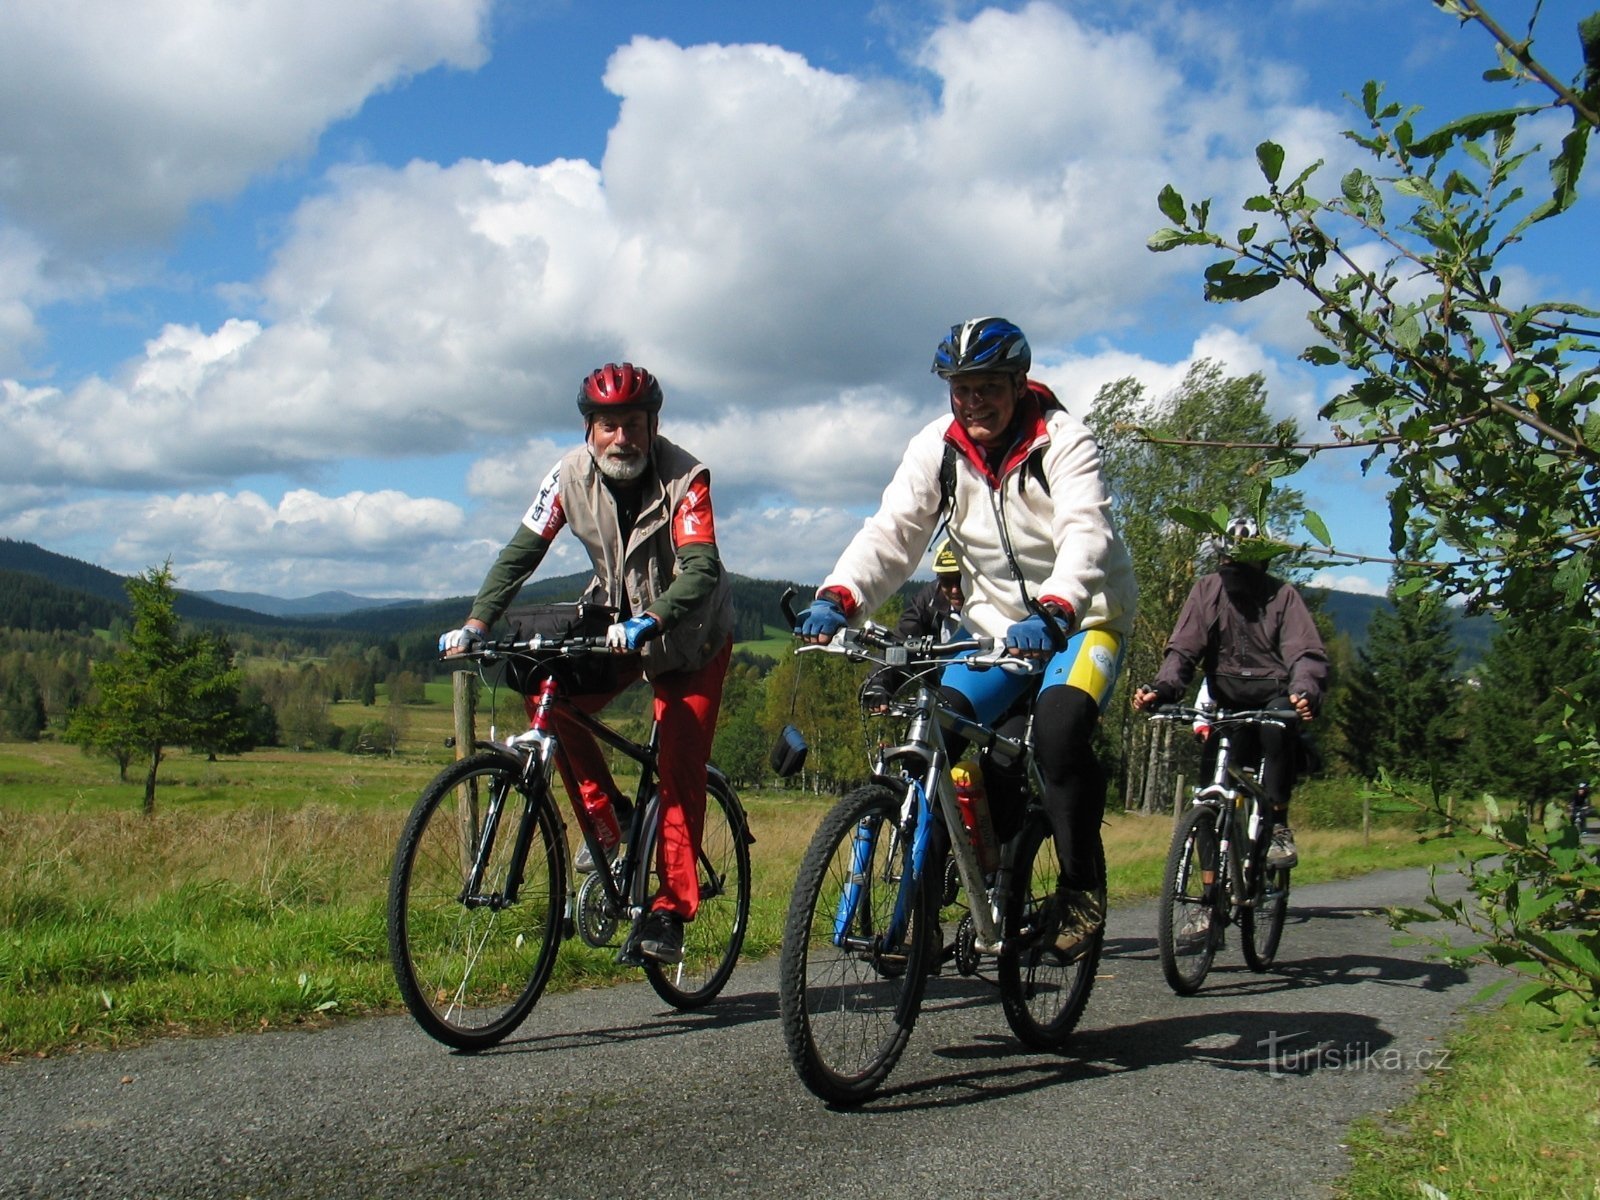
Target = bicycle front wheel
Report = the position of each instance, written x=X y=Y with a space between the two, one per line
x=471 y=966
x=856 y=949
x=1043 y=991
x=1261 y=926
x=1190 y=924
x=711 y=942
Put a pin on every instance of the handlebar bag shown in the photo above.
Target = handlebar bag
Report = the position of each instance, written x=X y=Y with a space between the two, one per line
x=581 y=674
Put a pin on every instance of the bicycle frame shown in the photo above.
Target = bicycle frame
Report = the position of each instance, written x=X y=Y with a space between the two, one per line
x=923 y=761
x=1238 y=799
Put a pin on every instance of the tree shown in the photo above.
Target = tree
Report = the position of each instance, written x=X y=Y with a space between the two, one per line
x=1536 y=661
x=1403 y=708
x=1482 y=411
x=1198 y=447
x=22 y=712
x=161 y=690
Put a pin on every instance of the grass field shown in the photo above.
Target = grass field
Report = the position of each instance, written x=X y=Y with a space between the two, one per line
x=254 y=895
x=253 y=898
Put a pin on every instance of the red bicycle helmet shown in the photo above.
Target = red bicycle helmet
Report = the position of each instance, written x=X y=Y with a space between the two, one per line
x=619 y=387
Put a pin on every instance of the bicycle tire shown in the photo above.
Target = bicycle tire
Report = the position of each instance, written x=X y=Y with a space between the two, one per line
x=712 y=941
x=1261 y=926
x=847 y=1012
x=470 y=974
x=1193 y=854
x=1042 y=991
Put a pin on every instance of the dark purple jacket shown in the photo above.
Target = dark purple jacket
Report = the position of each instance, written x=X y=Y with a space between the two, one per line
x=1252 y=637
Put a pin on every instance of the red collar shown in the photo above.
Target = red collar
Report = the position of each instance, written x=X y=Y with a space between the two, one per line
x=1031 y=433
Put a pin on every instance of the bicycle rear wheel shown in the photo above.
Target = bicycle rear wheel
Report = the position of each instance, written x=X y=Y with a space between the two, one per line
x=848 y=994
x=1261 y=926
x=1042 y=990
x=471 y=968
x=711 y=941
x=1186 y=894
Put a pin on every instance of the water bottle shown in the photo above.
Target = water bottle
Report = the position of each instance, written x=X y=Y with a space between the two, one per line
x=973 y=801
x=603 y=814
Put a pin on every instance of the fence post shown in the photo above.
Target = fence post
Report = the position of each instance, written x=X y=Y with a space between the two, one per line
x=464 y=699
x=1178 y=788
x=1366 y=820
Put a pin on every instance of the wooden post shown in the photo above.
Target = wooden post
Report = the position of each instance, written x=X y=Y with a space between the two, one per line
x=1366 y=820
x=464 y=697
x=1179 y=786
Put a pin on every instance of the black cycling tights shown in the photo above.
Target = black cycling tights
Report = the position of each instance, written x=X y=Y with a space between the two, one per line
x=1074 y=781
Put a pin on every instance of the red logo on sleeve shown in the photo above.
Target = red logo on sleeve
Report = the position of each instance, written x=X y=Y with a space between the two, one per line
x=692 y=520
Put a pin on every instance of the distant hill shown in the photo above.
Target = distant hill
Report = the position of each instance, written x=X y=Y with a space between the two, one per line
x=323 y=604
x=1351 y=614
x=25 y=558
x=755 y=601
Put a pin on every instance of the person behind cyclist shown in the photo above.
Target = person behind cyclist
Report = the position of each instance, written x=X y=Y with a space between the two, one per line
x=641 y=506
x=935 y=611
x=1029 y=524
x=1578 y=806
x=1252 y=638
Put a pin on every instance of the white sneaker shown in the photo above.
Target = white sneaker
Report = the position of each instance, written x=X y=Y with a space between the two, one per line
x=584 y=863
x=1196 y=929
x=1282 y=853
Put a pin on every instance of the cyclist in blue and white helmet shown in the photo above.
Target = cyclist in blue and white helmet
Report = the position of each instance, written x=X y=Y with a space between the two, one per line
x=982 y=344
x=1016 y=480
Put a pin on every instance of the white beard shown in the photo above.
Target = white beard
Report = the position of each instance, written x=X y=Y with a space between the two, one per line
x=623 y=470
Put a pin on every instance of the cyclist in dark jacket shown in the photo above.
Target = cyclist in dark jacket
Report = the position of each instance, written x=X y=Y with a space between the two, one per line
x=1252 y=637
x=935 y=611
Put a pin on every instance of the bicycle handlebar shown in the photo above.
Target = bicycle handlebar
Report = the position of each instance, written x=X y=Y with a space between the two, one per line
x=570 y=646
x=892 y=650
x=1222 y=716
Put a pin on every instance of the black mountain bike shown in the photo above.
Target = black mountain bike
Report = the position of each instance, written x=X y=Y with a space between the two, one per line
x=1217 y=873
x=876 y=885
x=480 y=894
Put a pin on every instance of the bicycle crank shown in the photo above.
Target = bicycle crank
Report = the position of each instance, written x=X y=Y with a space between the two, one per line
x=597 y=921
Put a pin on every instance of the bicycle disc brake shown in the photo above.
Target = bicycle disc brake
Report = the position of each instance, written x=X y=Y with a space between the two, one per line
x=597 y=920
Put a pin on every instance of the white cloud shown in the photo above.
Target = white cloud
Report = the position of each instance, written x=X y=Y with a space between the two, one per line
x=1344 y=581
x=124 y=113
x=783 y=244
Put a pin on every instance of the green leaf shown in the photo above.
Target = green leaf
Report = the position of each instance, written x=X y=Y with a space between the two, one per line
x=1315 y=527
x=1475 y=125
x=1411 y=586
x=1171 y=204
x=1202 y=523
x=1269 y=155
x=1321 y=356
x=1166 y=239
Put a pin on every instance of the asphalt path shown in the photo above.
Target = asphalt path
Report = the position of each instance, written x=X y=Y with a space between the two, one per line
x=1246 y=1088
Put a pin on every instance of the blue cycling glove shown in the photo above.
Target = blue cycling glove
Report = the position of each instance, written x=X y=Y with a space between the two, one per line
x=1031 y=636
x=822 y=618
x=632 y=633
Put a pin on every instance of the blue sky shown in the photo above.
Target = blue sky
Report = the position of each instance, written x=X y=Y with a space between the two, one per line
x=298 y=295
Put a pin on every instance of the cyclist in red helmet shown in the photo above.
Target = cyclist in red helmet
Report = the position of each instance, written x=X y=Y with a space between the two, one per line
x=641 y=506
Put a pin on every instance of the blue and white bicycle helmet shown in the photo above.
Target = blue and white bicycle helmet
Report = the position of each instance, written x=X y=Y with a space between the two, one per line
x=982 y=344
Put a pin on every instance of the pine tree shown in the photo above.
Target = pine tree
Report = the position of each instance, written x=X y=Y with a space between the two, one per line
x=163 y=689
x=1402 y=710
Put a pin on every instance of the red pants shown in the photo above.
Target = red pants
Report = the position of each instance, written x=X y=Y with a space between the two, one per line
x=686 y=718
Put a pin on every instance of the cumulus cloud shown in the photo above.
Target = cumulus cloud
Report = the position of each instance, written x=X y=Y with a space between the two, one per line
x=124 y=113
x=781 y=243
